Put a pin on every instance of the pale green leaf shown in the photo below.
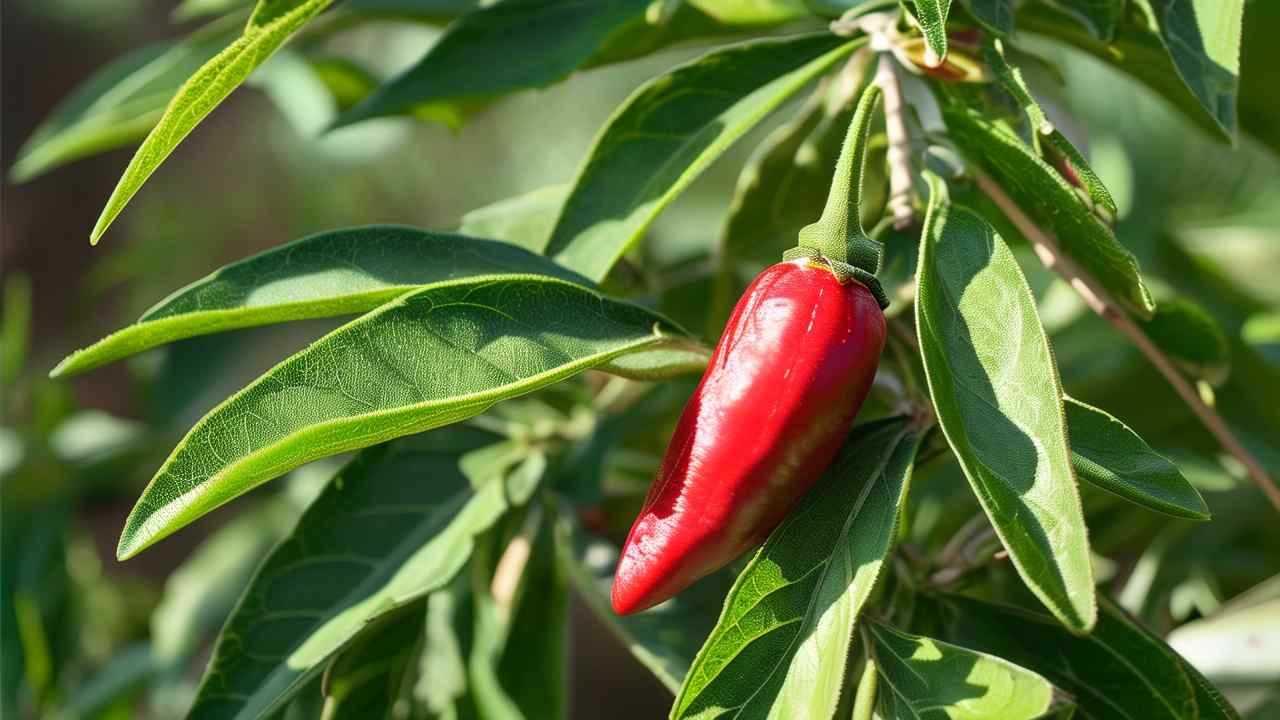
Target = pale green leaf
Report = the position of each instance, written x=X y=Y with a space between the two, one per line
x=429 y=358
x=1119 y=671
x=1041 y=191
x=664 y=639
x=751 y=12
x=342 y=272
x=525 y=220
x=272 y=23
x=397 y=523
x=926 y=679
x=998 y=398
x=668 y=132
x=1106 y=453
x=780 y=646
x=1238 y=644
x=118 y=104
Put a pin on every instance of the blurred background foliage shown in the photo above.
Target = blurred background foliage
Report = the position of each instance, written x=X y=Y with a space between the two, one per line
x=1202 y=217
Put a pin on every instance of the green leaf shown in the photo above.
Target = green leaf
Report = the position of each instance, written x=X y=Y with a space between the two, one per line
x=1185 y=50
x=752 y=12
x=779 y=649
x=1105 y=452
x=271 y=24
x=397 y=523
x=538 y=636
x=1191 y=338
x=998 y=398
x=928 y=678
x=429 y=358
x=342 y=272
x=1049 y=198
x=501 y=48
x=118 y=104
x=1238 y=644
x=664 y=639
x=1119 y=670
x=369 y=676
x=442 y=670
x=525 y=220
x=995 y=15
x=932 y=16
x=669 y=131
x=126 y=672
x=1101 y=17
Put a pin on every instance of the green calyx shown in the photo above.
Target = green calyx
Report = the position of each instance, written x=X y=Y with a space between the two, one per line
x=837 y=238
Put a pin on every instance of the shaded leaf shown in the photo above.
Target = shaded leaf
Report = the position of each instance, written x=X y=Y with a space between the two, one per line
x=1191 y=337
x=927 y=678
x=998 y=399
x=1118 y=671
x=271 y=24
x=995 y=15
x=368 y=677
x=780 y=646
x=664 y=639
x=1041 y=191
x=538 y=634
x=474 y=59
x=668 y=132
x=118 y=104
x=429 y=358
x=1105 y=452
x=342 y=272
x=1101 y=17
x=397 y=523
x=1185 y=50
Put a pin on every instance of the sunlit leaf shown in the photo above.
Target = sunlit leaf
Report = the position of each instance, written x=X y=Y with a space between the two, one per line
x=429 y=358
x=668 y=132
x=780 y=646
x=998 y=398
x=272 y=23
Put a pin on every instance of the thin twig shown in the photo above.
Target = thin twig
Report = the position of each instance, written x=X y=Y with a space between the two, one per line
x=899 y=155
x=1100 y=302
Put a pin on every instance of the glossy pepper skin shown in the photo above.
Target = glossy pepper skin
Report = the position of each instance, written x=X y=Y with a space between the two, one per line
x=778 y=398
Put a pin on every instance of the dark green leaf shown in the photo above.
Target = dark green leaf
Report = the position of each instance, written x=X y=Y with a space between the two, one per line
x=1186 y=50
x=397 y=523
x=1047 y=196
x=1118 y=671
x=668 y=132
x=1191 y=337
x=998 y=398
x=500 y=48
x=272 y=23
x=335 y=273
x=1101 y=17
x=779 y=649
x=429 y=358
x=369 y=676
x=664 y=639
x=926 y=678
x=118 y=104
x=995 y=15
x=1105 y=452
x=538 y=634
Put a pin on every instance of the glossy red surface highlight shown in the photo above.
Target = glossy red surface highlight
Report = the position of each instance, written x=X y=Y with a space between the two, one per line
x=795 y=363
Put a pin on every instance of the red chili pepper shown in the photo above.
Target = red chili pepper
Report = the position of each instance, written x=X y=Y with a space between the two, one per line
x=784 y=384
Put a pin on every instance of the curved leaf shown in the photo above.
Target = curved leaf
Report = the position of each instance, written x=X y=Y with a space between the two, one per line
x=932 y=16
x=1185 y=50
x=343 y=272
x=1105 y=452
x=779 y=649
x=998 y=398
x=668 y=132
x=1120 y=670
x=928 y=678
x=119 y=103
x=1191 y=337
x=397 y=523
x=501 y=48
x=1046 y=195
x=271 y=24
x=429 y=358
x=525 y=220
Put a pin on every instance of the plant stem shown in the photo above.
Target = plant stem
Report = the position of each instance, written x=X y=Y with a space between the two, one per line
x=1100 y=302
x=899 y=155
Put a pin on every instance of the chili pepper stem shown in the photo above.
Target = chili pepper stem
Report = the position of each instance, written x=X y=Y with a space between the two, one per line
x=1100 y=302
